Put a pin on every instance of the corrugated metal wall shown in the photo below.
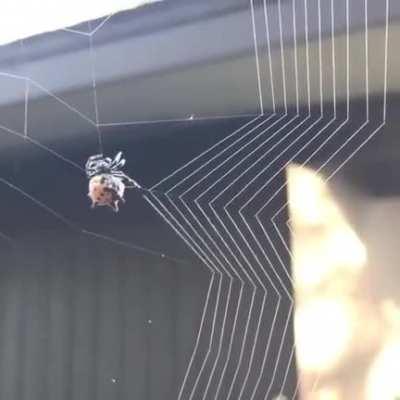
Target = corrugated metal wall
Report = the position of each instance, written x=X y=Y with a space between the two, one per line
x=82 y=319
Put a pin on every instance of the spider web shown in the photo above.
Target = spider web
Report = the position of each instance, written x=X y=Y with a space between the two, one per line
x=230 y=230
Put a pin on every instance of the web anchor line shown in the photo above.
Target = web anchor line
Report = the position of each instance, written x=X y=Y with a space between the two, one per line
x=154 y=192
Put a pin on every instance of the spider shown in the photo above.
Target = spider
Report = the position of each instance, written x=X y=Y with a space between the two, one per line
x=107 y=183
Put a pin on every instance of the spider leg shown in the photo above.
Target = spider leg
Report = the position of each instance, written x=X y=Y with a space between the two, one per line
x=93 y=164
x=117 y=158
x=114 y=206
x=130 y=183
x=95 y=157
x=116 y=165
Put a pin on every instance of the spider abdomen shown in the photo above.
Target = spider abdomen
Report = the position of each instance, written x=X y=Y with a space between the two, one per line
x=106 y=190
